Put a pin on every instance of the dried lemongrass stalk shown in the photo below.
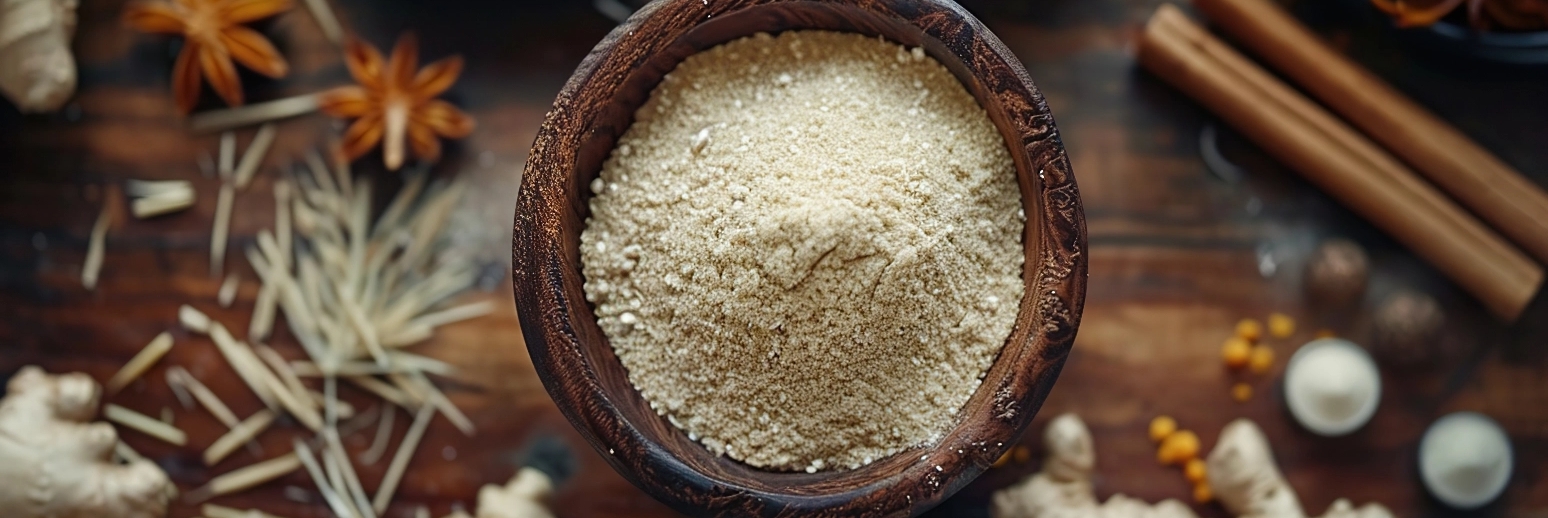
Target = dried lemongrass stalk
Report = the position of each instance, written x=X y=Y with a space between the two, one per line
x=205 y=396
x=385 y=391
x=400 y=203
x=143 y=188
x=341 y=407
x=244 y=367
x=227 y=160
x=356 y=492
x=286 y=374
x=383 y=435
x=327 y=22
x=240 y=434
x=438 y=398
x=178 y=390
x=222 y=227
x=193 y=319
x=397 y=363
x=92 y=267
x=144 y=424
x=127 y=454
x=335 y=476
x=242 y=116
x=453 y=315
x=228 y=290
x=247 y=477
x=400 y=459
x=341 y=173
x=282 y=230
x=330 y=494
x=262 y=322
x=150 y=206
x=256 y=150
x=141 y=362
x=408 y=334
x=297 y=404
x=320 y=172
x=215 y=511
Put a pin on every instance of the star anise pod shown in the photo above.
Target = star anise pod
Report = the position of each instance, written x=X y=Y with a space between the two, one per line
x=396 y=102
x=213 y=35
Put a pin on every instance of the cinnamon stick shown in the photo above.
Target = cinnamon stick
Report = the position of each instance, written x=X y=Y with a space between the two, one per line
x=1476 y=178
x=1339 y=160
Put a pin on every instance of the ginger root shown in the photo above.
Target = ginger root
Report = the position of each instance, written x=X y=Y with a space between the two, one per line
x=37 y=71
x=55 y=464
x=1247 y=482
x=1063 y=489
x=522 y=497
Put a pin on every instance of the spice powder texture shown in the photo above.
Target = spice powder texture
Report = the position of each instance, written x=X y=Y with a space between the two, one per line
x=806 y=250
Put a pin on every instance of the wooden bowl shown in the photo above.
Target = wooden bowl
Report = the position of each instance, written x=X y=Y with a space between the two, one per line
x=591 y=387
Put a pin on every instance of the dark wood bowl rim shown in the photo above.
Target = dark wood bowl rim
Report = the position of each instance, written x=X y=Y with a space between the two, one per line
x=577 y=365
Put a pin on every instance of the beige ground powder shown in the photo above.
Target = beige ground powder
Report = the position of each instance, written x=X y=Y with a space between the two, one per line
x=807 y=249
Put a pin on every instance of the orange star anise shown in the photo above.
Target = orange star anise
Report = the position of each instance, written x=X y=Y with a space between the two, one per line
x=395 y=102
x=213 y=35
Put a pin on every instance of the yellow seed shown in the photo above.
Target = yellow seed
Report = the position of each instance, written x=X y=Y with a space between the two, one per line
x=1202 y=493
x=1022 y=455
x=1194 y=471
x=1162 y=427
x=1236 y=352
x=1324 y=333
x=1003 y=459
x=1179 y=448
x=1241 y=392
x=1249 y=329
x=1281 y=325
x=1262 y=359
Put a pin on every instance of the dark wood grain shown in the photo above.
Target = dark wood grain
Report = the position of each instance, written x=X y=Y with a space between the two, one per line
x=589 y=384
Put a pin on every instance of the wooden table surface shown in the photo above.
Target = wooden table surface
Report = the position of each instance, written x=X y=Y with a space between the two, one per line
x=1177 y=254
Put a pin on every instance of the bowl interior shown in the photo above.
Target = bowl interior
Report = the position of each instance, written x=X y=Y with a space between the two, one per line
x=588 y=382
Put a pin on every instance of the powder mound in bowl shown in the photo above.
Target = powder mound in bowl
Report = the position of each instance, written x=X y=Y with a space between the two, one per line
x=806 y=250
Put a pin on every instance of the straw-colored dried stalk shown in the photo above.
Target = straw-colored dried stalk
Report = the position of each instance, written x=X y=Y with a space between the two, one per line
x=141 y=362
x=95 y=247
x=247 y=477
x=240 y=434
x=242 y=116
x=256 y=150
x=144 y=424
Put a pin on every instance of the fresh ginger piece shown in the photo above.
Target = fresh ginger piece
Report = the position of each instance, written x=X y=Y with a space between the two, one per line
x=1249 y=329
x=37 y=69
x=1162 y=427
x=56 y=464
x=522 y=497
x=1194 y=471
x=1179 y=448
x=1063 y=488
x=1280 y=325
x=1242 y=474
x=1241 y=392
x=1236 y=352
x=1262 y=359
